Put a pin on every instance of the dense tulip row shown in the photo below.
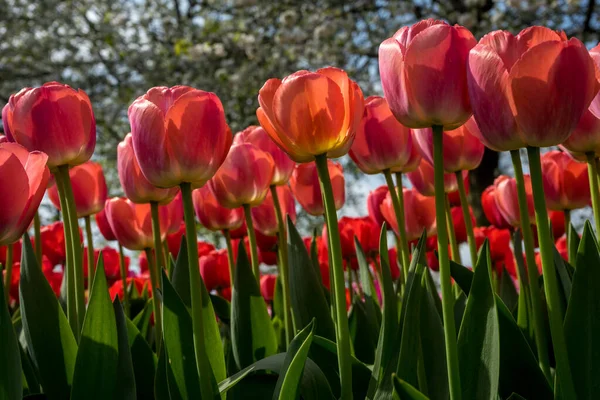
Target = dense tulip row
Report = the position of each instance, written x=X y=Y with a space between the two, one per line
x=447 y=97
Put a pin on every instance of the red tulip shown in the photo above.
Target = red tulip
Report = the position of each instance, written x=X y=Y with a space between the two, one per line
x=53 y=278
x=422 y=179
x=432 y=261
x=500 y=252
x=562 y=247
x=179 y=135
x=393 y=258
x=244 y=177
x=16 y=246
x=23 y=180
x=117 y=287
x=306 y=188
x=214 y=216
x=557 y=223
x=458 y=221
x=284 y=165
x=491 y=210
x=566 y=184
x=55 y=119
x=53 y=242
x=311 y=113
x=419 y=212
x=89 y=189
x=134 y=183
x=112 y=266
x=104 y=226
x=214 y=268
x=381 y=142
x=132 y=223
x=423 y=74
x=585 y=138
x=263 y=215
x=267 y=257
x=374 y=200
x=322 y=257
x=529 y=90
x=507 y=199
x=363 y=229
x=267 y=286
x=463 y=151
x=454 y=197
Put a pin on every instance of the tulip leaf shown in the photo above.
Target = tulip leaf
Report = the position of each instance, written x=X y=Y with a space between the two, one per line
x=573 y=244
x=365 y=278
x=142 y=319
x=582 y=326
x=364 y=323
x=49 y=337
x=314 y=257
x=161 y=386
x=293 y=365
x=181 y=275
x=306 y=294
x=144 y=361
x=33 y=385
x=405 y=391
x=125 y=385
x=564 y=273
x=10 y=358
x=508 y=292
x=222 y=308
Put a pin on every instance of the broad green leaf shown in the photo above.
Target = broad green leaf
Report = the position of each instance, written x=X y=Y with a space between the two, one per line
x=573 y=244
x=306 y=293
x=125 y=385
x=252 y=333
x=293 y=365
x=314 y=257
x=460 y=304
x=364 y=324
x=144 y=361
x=582 y=323
x=97 y=359
x=161 y=386
x=181 y=275
x=49 y=337
x=564 y=273
x=142 y=319
x=222 y=308
x=405 y=391
x=508 y=292
x=10 y=358
x=364 y=275
x=479 y=336
x=179 y=344
x=33 y=384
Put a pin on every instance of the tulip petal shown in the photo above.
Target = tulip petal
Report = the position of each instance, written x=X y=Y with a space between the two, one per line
x=535 y=35
x=15 y=192
x=38 y=176
x=504 y=44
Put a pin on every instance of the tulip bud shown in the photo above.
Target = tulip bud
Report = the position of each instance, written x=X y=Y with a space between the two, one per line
x=566 y=184
x=214 y=268
x=263 y=215
x=307 y=190
x=214 y=216
x=422 y=179
x=267 y=286
x=374 y=200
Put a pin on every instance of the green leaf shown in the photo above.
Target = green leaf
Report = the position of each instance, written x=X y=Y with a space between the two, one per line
x=222 y=308
x=306 y=293
x=582 y=325
x=49 y=337
x=479 y=336
x=508 y=292
x=125 y=385
x=405 y=391
x=364 y=324
x=95 y=373
x=573 y=243
x=365 y=278
x=142 y=320
x=212 y=335
x=252 y=333
x=314 y=257
x=10 y=358
x=179 y=344
x=144 y=361
x=33 y=384
x=564 y=273
x=161 y=386
x=293 y=365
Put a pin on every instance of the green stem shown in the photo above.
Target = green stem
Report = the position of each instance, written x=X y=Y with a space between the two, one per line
x=567 y=214
x=230 y=259
x=70 y=214
x=467 y=216
x=447 y=295
x=155 y=296
x=555 y=314
x=9 y=268
x=339 y=288
x=284 y=266
x=593 y=177
x=124 y=281
x=90 y=251
x=252 y=242
x=398 y=204
x=37 y=229
x=158 y=249
x=202 y=362
x=532 y=272
x=452 y=233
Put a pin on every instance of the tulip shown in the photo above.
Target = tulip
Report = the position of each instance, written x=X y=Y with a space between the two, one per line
x=364 y=230
x=263 y=215
x=117 y=288
x=54 y=119
x=490 y=209
x=53 y=278
x=585 y=138
x=419 y=211
x=89 y=189
x=214 y=270
x=374 y=200
x=500 y=252
x=3 y=139
x=414 y=159
x=104 y=226
x=422 y=179
x=16 y=252
x=135 y=185
x=53 y=241
x=214 y=216
x=305 y=186
x=565 y=181
x=111 y=261
x=505 y=192
x=311 y=113
x=322 y=257
x=267 y=286
x=422 y=70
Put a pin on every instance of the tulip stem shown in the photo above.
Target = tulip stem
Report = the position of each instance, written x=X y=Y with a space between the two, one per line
x=8 y=267
x=447 y=295
x=567 y=214
x=398 y=204
x=452 y=232
x=464 y=203
x=158 y=249
x=70 y=217
x=202 y=362
x=252 y=242
x=37 y=230
x=90 y=251
x=152 y=266
x=339 y=287
x=532 y=273
x=290 y=330
x=124 y=281
x=230 y=259
x=555 y=313
x=593 y=177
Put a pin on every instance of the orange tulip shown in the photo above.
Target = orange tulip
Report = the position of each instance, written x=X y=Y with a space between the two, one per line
x=214 y=216
x=54 y=119
x=419 y=213
x=23 y=180
x=422 y=70
x=284 y=165
x=306 y=188
x=89 y=189
x=531 y=89
x=566 y=184
x=463 y=151
x=179 y=135
x=311 y=113
x=422 y=179
x=381 y=142
x=244 y=177
x=263 y=215
x=507 y=199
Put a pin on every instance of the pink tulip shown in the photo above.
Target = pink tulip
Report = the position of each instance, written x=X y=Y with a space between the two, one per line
x=214 y=216
x=263 y=215
x=422 y=179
